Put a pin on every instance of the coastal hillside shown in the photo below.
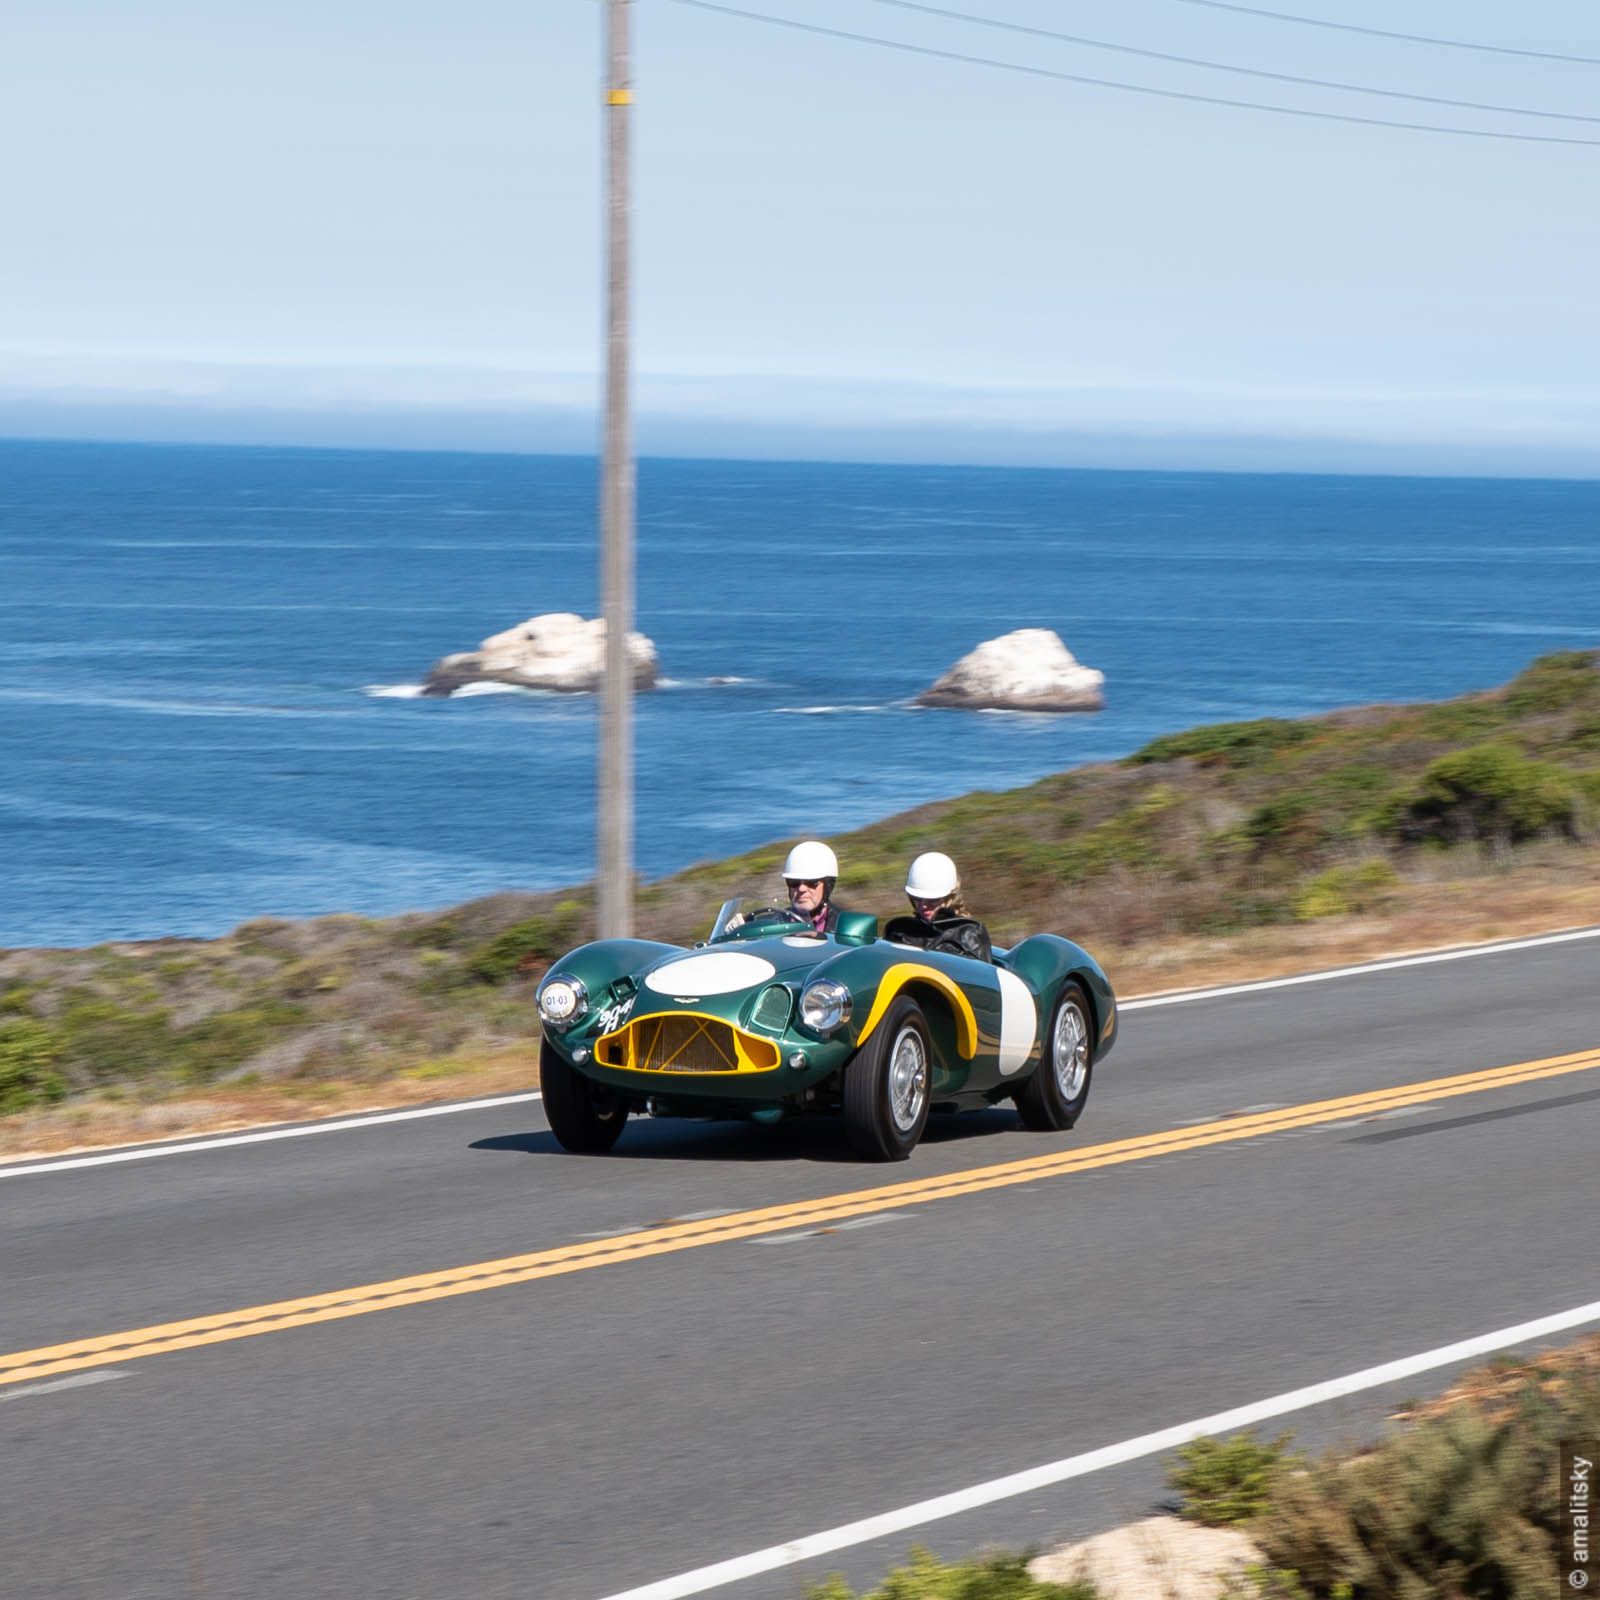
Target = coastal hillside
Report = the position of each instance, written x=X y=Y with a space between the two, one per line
x=1206 y=853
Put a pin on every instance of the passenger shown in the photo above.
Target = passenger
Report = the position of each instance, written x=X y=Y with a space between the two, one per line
x=940 y=921
x=809 y=874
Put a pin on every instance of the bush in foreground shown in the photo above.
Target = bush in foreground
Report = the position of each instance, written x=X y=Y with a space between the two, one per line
x=1224 y=1481
x=1003 y=1576
x=1462 y=1505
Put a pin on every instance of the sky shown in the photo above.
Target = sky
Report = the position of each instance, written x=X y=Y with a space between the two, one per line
x=357 y=223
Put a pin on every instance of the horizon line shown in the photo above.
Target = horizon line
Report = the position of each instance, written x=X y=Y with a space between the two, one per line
x=715 y=458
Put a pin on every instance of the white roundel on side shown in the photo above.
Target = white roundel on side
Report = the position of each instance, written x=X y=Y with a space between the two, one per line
x=1019 y=1021
x=717 y=972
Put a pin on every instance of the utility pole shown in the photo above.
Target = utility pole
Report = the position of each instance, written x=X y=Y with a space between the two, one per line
x=616 y=504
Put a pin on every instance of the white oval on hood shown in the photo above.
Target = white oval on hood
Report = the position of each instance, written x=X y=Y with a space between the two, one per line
x=716 y=972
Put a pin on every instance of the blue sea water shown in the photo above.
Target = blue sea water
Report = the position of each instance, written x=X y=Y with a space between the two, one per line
x=204 y=652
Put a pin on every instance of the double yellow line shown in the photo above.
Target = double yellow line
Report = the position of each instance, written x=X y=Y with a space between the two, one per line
x=50 y=1361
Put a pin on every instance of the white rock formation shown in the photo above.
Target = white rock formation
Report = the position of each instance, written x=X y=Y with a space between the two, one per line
x=1029 y=670
x=558 y=650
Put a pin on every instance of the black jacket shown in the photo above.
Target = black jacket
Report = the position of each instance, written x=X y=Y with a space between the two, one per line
x=949 y=933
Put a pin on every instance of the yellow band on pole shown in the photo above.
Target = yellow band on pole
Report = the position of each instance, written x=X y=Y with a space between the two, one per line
x=620 y=97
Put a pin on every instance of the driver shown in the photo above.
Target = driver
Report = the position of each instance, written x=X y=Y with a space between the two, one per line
x=941 y=920
x=809 y=873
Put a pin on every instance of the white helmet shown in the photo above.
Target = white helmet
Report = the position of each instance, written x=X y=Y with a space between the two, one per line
x=811 y=858
x=932 y=877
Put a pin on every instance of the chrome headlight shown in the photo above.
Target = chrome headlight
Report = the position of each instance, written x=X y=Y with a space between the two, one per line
x=825 y=1006
x=562 y=1000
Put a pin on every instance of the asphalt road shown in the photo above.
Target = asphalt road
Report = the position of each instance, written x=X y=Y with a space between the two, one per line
x=574 y=1436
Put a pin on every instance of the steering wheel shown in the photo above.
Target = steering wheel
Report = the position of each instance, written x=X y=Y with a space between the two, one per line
x=773 y=914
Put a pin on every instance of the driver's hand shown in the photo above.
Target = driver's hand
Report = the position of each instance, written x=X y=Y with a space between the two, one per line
x=735 y=921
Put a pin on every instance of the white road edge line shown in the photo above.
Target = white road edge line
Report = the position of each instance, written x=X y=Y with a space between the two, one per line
x=266 y=1136
x=1182 y=997
x=1017 y=1483
x=1431 y=958
x=79 y=1381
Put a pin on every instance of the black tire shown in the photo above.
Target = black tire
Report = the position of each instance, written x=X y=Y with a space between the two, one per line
x=585 y=1117
x=886 y=1093
x=1053 y=1098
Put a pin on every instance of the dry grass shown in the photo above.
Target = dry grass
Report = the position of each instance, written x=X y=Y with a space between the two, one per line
x=1495 y=1389
x=98 y=1122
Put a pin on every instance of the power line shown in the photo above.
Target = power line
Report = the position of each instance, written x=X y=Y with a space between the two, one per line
x=1129 y=88
x=1384 y=33
x=1222 y=66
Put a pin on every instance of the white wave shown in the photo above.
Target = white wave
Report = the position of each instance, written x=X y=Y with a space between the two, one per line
x=469 y=691
x=1019 y=711
x=393 y=691
x=718 y=681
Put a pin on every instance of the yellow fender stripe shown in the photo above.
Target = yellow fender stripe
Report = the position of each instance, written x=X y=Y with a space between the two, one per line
x=904 y=972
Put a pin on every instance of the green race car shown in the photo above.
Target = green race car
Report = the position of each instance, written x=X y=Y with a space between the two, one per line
x=771 y=1019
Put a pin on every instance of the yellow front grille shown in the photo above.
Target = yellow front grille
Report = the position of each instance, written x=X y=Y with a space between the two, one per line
x=682 y=1041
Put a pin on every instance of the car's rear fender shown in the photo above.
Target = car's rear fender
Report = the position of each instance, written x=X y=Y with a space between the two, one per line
x=1046 y=961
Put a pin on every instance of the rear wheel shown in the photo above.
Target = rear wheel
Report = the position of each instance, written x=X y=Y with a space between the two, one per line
x=886 y=1083
x=1053 y=1099
x=584 y=1116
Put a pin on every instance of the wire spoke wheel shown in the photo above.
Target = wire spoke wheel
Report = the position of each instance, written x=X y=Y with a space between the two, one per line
x=1070 y=1051
x=1057 y=1090
x=908 y=1079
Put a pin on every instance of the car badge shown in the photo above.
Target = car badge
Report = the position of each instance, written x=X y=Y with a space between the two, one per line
x=687 y=999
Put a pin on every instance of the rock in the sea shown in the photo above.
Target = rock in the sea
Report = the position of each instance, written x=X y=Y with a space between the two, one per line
x=558 y=650
x=1029 y=670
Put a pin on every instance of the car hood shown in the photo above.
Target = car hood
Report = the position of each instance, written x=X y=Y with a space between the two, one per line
x=734 y=967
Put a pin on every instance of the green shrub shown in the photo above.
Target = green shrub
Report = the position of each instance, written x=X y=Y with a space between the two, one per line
x=1552 y=683
x=1490 y=792
x=230 y=1038
x=524 y=945
x=1458 y=1507
x=1290 y=824
x=28 y=1073
x=1459 y=721
x=1222 y=1481
x=101 y=1039
x=1226 y=744
x=1001 y=1576
x=1257 y=1582
x=1340 y=891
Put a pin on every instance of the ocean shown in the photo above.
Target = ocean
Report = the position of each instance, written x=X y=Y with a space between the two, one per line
x=208 y=656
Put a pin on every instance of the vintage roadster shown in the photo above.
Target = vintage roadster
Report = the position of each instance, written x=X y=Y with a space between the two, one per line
x=771 y=1019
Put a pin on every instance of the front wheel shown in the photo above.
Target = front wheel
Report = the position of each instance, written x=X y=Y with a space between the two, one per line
x=1052 y=1100
x=584 y=1116
x=886 y=1086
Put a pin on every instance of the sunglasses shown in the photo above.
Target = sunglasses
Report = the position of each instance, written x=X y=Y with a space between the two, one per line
x=805 y=883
